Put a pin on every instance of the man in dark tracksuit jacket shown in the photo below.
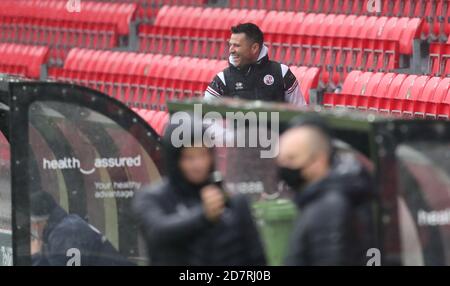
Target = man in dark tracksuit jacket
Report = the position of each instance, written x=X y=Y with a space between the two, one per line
x=251 y=75
x=56 y=234
x=336 y=225
x=176 y=223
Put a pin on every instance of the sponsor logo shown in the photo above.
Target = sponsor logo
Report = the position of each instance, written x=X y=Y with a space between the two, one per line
x=269 y=80
x=239 y=86
x=74 y=163
x=433 y=218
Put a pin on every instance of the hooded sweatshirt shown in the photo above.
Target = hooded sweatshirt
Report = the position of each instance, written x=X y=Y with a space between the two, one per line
x=175 y=227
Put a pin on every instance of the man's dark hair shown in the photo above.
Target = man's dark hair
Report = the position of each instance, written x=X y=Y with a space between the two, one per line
x=251 y=31
x=42 y=203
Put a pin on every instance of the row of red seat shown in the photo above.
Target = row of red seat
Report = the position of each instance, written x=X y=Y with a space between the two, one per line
x=434 y=11
x=22 y=59
x=51 y=23
x=59 y=36
x=152 y=92
x=335 y=43
x=138 y=79
x=439 y=64
x=148 y=9
x=148 y=80
x=400 y=94
x=308 y=79
x=284 y=24
x=336 y=56
x=195 y=70
x=162 y=66
x=118 y=14
x=136 y=91
x=158 y=120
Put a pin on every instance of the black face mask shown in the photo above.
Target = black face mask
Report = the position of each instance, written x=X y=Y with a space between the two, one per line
x=292 y=177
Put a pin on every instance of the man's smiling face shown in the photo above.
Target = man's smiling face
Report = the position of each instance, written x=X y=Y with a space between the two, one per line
x=242 y=50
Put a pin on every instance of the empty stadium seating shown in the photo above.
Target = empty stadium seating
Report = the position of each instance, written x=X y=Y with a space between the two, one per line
x=97 y=25
x=336 y=43
x=400 y=94
x=22 y=60
x=327 y=43
x=148 y=80
x=308 y=79
x=439 y=64
x=156 y=119
x=148 y=9
x=435 y=12
x=141 y=80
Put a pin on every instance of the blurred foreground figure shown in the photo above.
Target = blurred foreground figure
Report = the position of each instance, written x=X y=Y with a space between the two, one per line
x=62 y=239
x=334 y=196
x=189 y=220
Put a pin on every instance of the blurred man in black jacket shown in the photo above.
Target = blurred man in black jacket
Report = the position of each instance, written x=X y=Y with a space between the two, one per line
x=57 y=236
x=334 y=195
x=189 y=220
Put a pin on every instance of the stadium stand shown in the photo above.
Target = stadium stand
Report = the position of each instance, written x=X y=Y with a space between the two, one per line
x=380 y=61
x=436 y=12
x=335 y=43
x=156 y=119
x=97 y=25
x=140 y=80
x=148 y=9
x=148 y=80
x=400 y=94
x=308 y=79
x=23 y=60
x=439 y=64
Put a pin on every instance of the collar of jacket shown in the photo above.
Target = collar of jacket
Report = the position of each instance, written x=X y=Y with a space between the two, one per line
x=262 y=59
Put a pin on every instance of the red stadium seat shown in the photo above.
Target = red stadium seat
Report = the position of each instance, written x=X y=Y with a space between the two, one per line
x=439 y=64
x=397 y=99
x=22 y=59
x=441 y=100
x=377 y=100
x=411 y=99
x=399 y=94
x=444 y=107
x=366 y=101
x=118 y=14
x=434 y=11
x=425 y=98
x=140 y=80
x=308 y=78
x=350 y=81
x=335 y=43
x=97 y=25
x=156 y=119
x=386 y=100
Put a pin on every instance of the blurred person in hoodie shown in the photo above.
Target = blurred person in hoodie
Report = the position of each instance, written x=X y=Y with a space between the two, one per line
x=188 y=219
x=333 y=193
